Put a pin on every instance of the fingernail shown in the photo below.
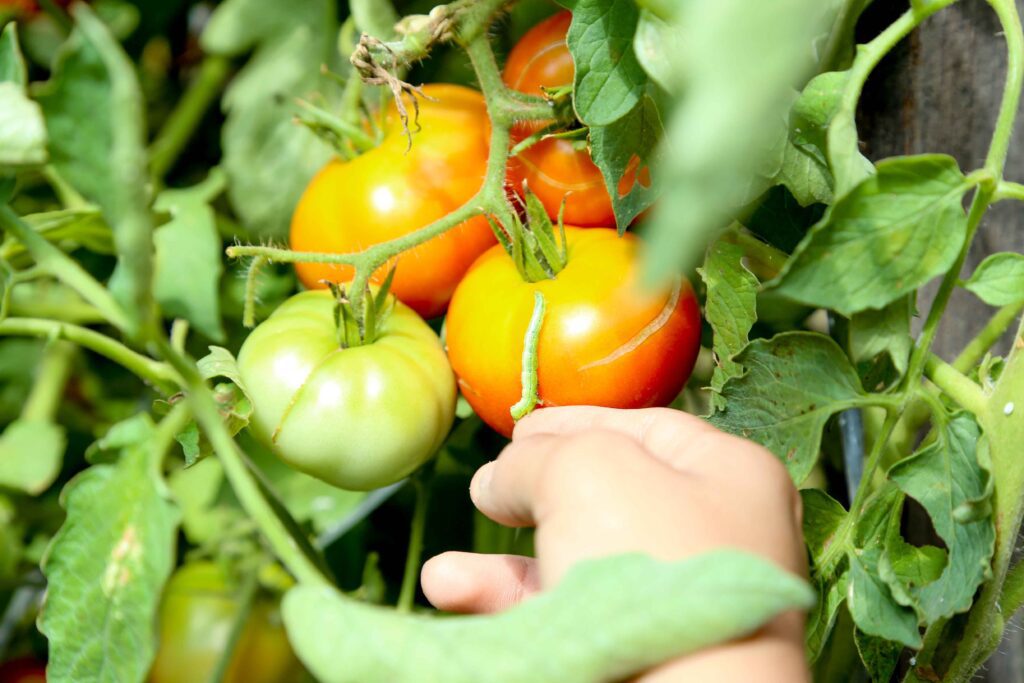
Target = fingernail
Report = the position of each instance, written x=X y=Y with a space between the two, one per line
x=481 y=482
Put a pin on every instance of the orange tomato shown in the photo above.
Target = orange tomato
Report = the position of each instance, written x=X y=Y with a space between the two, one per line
x=556 y=168
x=604 y=341
x=389 y=192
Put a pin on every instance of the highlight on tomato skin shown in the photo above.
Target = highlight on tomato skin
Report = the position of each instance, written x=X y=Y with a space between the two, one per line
x=393 y=190
x=554 y=168
x=604 y=340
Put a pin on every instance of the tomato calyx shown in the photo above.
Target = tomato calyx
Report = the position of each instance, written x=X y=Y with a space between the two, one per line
x=360 y=319
x=539 y=254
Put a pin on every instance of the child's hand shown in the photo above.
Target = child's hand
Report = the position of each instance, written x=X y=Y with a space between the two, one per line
x=596 y=482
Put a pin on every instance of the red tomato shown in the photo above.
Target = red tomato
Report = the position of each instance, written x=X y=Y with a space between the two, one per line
x=389 y=192
x=603 y=341
x=555 y=168
x=24 y=669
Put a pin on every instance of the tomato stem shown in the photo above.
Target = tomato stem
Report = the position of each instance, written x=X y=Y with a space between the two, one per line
x=186 y=116
x=422 y=482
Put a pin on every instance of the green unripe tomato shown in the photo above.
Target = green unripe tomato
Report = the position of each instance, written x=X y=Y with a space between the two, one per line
x=197 y=613
x=358 y=418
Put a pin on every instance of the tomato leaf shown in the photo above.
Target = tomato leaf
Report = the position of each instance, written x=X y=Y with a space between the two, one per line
x=631 y=140
x=794 y=382
x=188 y=264
x=950 y=478
x=651 y=44
x=609 y=79
x=887 y=237
x=105 y=569
x=12 y=63
x=999 y=279
x=707 y=599
x=269 y=160
x=821 y=619
x=31 y=453
x=886 y=330
x=880 y=656
x=104 y=156
x=872 y=605
x=730 y=309
x=220 y=363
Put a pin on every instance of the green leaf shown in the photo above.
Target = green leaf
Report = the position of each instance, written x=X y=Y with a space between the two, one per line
x=609 y=79
x=652 y=43
x=822 y=130
x=821 y=620
x=805 y=174
x=794 y=382
x=886 y=330
x=880 y=656
x=730 y=309
x=220 y=363
x=725 y=140
x=22 y=131
x=822 y=516
x=872 y=604
x=105 y=569
x=780 y=219
x=12 y=63
x=188 y=264
x=887 y=237
x=578 y=632
x=999 y=279
x=31 y=454
x=630 y=140
x=94 y=115
x=72 y=228
x=945 y=477
x=269 y=160
x=207 y=506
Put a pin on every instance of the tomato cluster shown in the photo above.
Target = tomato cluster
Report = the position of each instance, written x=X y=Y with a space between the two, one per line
x=361 y=416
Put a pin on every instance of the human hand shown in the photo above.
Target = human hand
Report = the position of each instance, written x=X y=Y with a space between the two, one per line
x=597 y=482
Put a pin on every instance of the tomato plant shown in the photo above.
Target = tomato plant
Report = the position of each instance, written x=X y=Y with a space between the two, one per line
x=600 y=328
x=198 y=616
x=359 y=417
x=390 y=191
x=176 y=383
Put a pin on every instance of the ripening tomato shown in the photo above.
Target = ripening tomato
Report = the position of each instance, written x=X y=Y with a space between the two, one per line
x=540 y=60
x=359 y=417
x=556 y=168
x=392 y=190
x=199 y=608
x=603 y=341
x=24 y=669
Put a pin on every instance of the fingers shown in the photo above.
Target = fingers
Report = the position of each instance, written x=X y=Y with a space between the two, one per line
x=669 y=435
x=538 y=473
x=473 y=583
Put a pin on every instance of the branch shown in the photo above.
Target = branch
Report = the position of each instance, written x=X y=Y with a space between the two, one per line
x=156 y=373
x=956 y=385
x=987 y=337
